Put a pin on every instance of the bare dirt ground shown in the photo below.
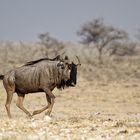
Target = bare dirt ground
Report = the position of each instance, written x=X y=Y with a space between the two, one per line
x=89 y=111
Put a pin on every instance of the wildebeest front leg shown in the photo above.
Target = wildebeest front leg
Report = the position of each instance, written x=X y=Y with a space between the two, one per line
x=40 y=110
x=49 y=96
x=50 y=103
x=20 y=104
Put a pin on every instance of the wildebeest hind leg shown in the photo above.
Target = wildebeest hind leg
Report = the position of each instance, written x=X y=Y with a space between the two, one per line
x=8 y=102
x=20 y=104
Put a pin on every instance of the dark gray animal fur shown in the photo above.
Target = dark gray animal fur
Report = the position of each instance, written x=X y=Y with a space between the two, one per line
x=42 y=75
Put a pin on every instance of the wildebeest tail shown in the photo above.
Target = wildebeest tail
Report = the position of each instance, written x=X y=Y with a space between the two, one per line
x=1 y=77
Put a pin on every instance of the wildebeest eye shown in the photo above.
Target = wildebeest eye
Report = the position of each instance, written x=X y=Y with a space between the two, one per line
x=60 y=65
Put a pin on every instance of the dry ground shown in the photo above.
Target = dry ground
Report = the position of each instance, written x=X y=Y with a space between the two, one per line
x=90 y=111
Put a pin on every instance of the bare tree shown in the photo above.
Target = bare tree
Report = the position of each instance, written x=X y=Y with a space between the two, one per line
x=99 y=35
x=52 y=45
x=122 y=48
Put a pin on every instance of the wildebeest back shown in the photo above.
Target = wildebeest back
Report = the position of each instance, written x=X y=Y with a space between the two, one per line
x=33 y=77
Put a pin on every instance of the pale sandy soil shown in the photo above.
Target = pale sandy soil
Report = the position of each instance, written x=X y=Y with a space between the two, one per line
x=90 y=111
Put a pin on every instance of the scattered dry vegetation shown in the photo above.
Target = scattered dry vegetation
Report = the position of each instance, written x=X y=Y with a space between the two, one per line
x=105 y=104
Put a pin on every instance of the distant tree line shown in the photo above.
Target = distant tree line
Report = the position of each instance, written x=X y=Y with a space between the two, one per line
x=106 y=39
x=95 y=34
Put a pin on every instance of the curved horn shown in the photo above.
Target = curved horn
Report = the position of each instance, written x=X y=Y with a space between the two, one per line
x=78 y=60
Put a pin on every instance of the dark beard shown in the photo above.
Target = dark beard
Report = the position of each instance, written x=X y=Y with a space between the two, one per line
x=64 y=84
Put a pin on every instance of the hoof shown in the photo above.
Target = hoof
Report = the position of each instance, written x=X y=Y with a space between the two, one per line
x=34 y=113
x=47 y=118
x=48 y=113
x=29 y=116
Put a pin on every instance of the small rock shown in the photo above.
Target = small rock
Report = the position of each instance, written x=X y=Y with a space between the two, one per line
x=65 y=130
x=33 y=137
x=33 y=125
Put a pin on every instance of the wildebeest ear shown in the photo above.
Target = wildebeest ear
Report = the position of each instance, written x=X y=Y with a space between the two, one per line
x=66 y=57
x=66 y=60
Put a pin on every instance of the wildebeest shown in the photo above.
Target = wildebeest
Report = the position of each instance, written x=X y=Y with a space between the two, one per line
x=42 y=75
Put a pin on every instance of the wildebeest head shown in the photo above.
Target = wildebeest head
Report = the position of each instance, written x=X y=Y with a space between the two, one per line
x=73 y=72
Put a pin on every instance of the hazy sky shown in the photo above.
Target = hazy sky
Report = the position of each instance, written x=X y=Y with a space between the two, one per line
x=24 y=19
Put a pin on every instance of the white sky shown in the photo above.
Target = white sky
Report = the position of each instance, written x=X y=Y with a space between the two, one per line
x=24 y=19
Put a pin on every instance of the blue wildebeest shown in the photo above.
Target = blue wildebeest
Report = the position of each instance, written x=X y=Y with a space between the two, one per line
x=42 y=75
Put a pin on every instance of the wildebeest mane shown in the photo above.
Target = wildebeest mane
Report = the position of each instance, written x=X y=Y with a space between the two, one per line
x=42 y=59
